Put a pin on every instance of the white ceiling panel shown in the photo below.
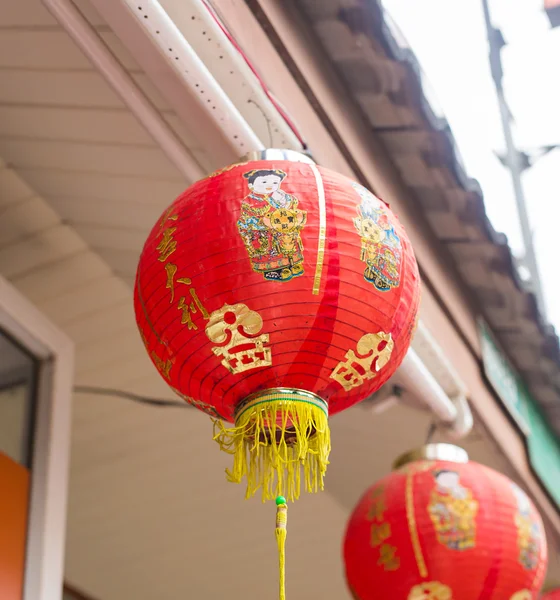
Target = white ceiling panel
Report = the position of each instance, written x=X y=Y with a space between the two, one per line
x=60 y=88
x=62 y=276
x=24 y=49
x=114 y=320
x=77 y=124
x=135 y=161
x=143 y=190
x=28 y=253
x=99 y=212
x=25 y=13
x=86 y=298
x=23 y=219
x=124 y=262
x=12 y=187
x=111 y=239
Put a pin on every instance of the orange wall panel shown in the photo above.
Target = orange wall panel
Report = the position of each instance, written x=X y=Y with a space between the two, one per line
x=14 y=497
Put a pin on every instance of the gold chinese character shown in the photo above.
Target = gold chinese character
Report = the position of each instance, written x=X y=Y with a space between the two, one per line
x=379 y=533
x=196 y=303
x=163 y=366
x=373 y=353
x=377 y=509
x=191 y=307
x=388 y=558
x=171 y=271
x=186 y=318
x=167 y=216
x=167 y=245
x=234 y=329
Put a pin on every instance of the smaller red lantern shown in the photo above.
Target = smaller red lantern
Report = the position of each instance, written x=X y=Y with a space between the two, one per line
x=443 y=528
x=552 y=595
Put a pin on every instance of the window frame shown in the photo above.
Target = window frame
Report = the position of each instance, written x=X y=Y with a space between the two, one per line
x=50 y=444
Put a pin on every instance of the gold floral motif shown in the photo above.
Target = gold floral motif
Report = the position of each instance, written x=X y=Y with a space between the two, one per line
x=522 y=595
x=453 y=511
x=373 y=353
x=431 y=590
x=235 y=329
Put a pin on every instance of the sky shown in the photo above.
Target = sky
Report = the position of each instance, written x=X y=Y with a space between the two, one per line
x=449 y=40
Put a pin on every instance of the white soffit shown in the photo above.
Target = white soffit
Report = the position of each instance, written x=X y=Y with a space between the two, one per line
x=168 y=40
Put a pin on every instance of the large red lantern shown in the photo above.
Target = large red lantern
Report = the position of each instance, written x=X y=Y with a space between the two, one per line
x=272 y=294
x=443 y=528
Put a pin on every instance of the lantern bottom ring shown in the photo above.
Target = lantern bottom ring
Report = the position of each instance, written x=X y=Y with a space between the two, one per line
x=280 y=395
x=278 y=432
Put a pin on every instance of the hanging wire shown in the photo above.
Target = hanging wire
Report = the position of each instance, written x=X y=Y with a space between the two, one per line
x=102 y=391
x=431 y=432
x=266 y=90
x=266 y=118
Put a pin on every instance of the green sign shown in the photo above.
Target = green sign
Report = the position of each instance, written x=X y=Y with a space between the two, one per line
x=542 y=443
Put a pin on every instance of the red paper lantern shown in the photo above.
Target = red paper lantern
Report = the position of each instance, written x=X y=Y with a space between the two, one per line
x=551 y=595
x=271 y=294
x=443 y=528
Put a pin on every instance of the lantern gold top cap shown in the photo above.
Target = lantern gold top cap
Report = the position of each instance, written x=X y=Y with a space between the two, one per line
x=447 y=452
x=278 y=154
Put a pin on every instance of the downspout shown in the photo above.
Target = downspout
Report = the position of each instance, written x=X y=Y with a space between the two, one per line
x=453 y=413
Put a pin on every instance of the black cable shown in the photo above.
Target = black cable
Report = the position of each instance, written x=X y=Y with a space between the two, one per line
x=101 y=391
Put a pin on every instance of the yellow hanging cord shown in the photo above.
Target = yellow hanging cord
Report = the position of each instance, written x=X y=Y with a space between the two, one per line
x=281 y=532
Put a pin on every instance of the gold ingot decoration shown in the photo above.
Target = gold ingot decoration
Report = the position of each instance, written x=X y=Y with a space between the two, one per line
x=366 y=362
x=235 y=328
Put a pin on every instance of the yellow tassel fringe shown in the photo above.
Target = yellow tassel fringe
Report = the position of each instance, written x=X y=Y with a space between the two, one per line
x=278 y=433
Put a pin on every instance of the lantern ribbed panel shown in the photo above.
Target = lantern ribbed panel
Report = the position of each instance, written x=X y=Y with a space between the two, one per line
x=294 y=296
x=437 y=530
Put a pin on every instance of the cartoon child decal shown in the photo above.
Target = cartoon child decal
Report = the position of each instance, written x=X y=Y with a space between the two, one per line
x=381 y=246
x=528 y=531
x=270 y=225
x=453 y=511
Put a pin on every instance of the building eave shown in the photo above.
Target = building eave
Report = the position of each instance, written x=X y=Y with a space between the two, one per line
x=385 y=80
